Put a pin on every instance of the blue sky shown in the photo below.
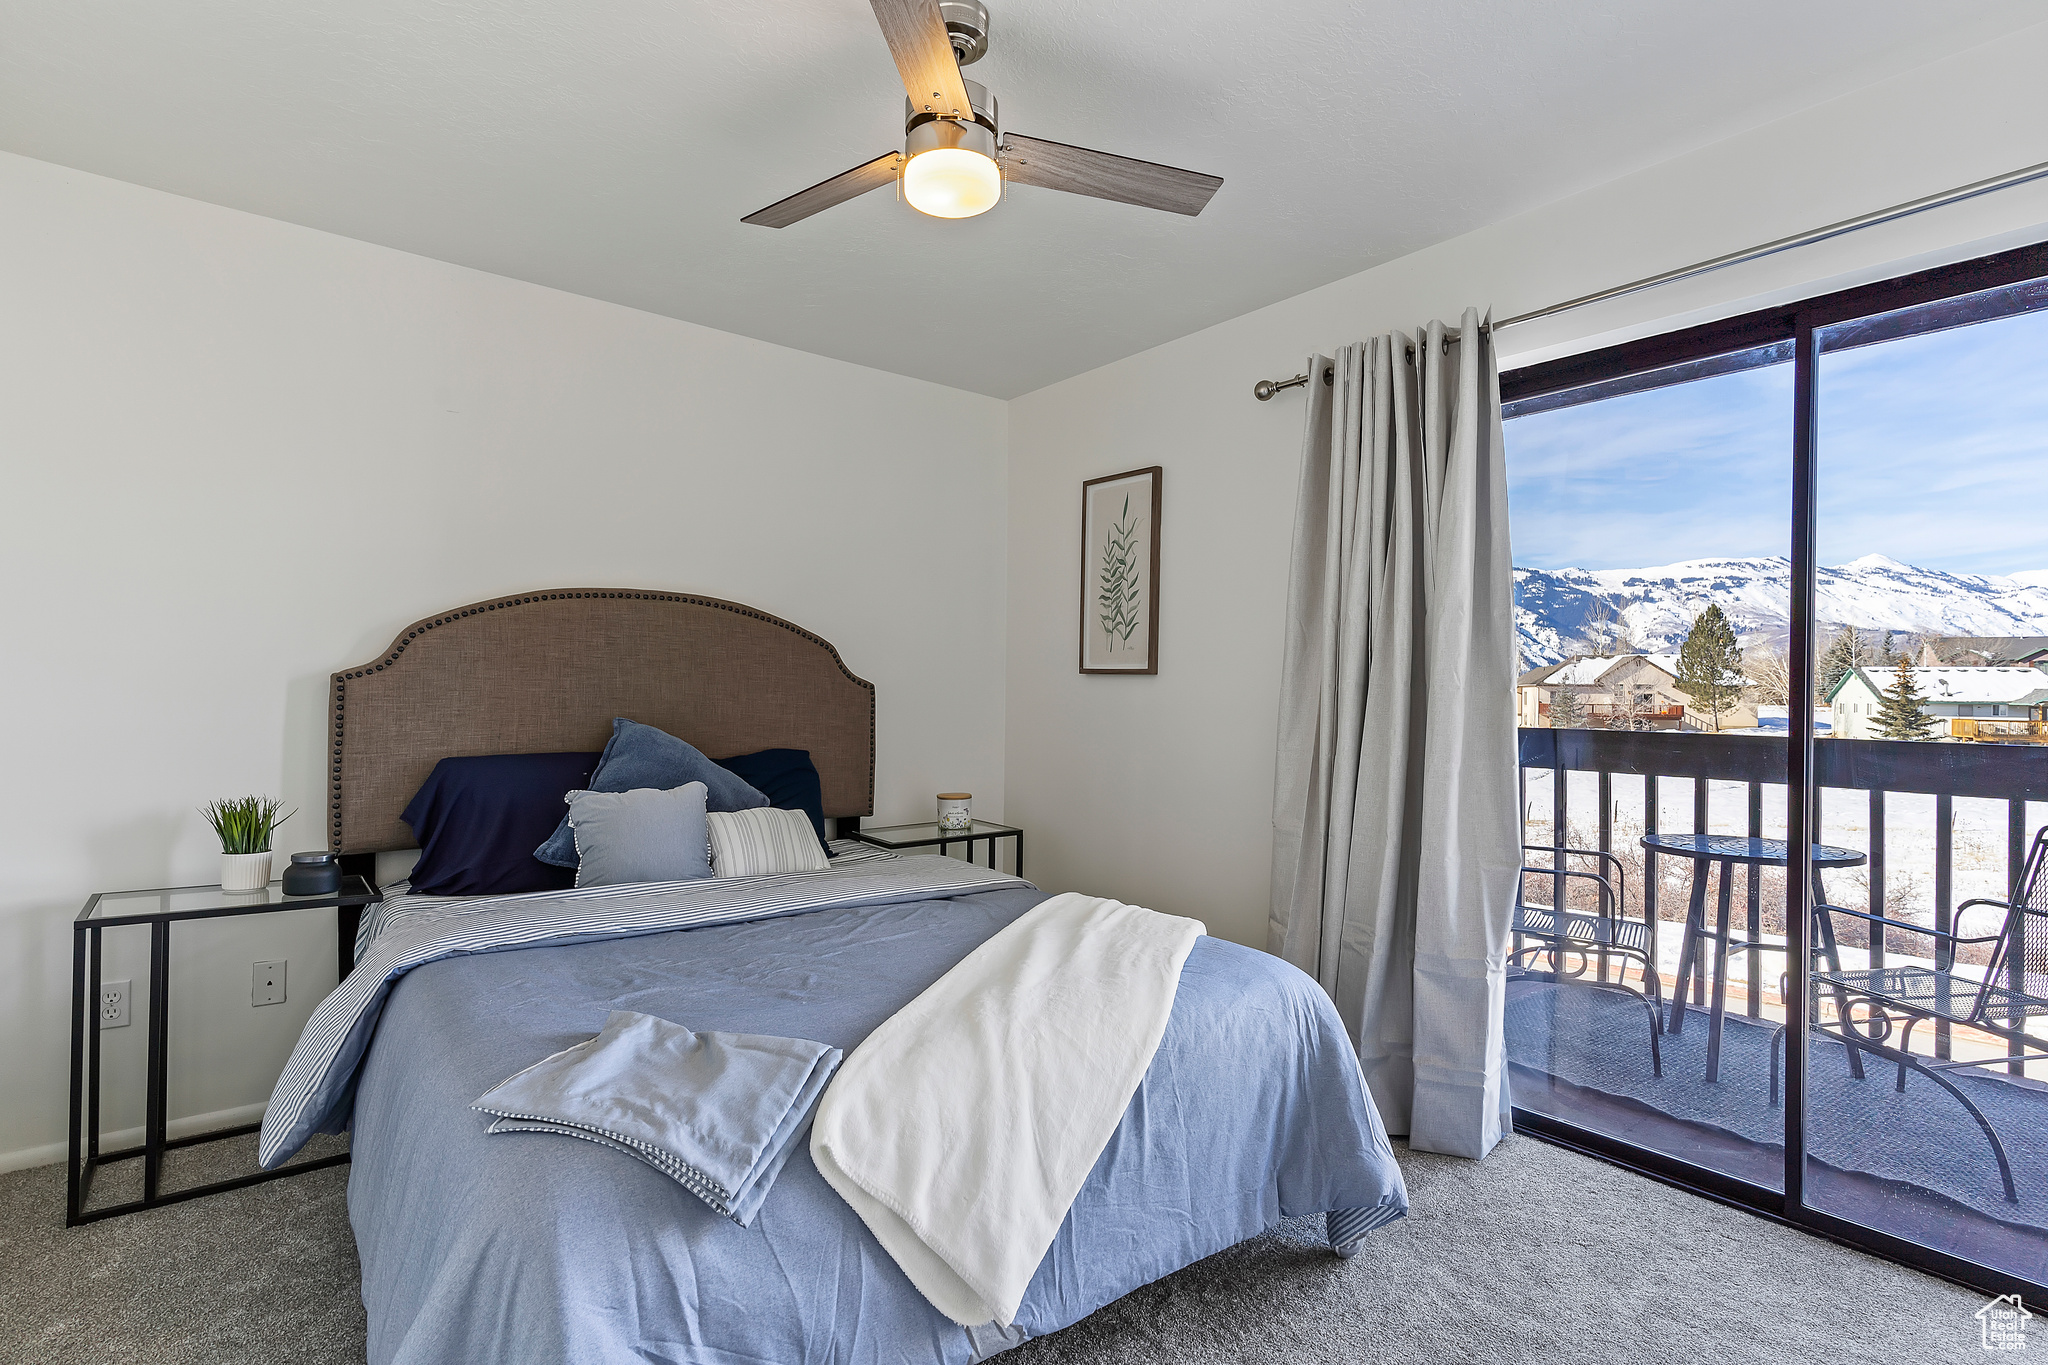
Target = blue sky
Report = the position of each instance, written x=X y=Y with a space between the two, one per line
x=1934 y=451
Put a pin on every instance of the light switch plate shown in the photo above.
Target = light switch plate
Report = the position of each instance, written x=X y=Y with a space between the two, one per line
x=267 y=984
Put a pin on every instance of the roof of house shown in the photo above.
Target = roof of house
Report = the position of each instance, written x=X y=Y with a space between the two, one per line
x=1956 y=684
x=1588 y=670
x=1993 y=649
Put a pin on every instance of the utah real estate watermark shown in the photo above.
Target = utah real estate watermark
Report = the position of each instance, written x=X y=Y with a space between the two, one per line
x=2004 y=1322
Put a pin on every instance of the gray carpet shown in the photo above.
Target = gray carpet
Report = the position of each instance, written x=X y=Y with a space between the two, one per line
x=1535 y=1254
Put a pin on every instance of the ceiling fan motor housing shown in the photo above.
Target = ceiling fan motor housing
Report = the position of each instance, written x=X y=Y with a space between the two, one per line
x=925 y=131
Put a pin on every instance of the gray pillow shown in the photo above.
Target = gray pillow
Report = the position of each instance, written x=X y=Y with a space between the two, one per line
x=641 y=756
x=643 y=835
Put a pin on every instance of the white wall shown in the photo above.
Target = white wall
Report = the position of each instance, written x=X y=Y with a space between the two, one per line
x=1158 y=789
x=238 y=455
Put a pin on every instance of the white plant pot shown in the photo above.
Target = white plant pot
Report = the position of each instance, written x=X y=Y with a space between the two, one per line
x=244 y=871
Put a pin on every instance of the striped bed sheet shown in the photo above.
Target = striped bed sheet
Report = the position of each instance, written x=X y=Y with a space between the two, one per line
x=400 y=904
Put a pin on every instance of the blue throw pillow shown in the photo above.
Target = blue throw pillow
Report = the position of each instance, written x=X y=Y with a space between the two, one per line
x=640 y=836
x=641 y=756
x=476 y=821
x=789 y=780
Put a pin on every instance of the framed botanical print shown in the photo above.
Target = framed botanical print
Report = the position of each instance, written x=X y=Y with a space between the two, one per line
x=1120 y=572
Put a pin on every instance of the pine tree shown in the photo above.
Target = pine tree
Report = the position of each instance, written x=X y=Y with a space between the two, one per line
x=1886 y=653
x=1843 y=653
x=1710 y=663
x=1566 y=711
x=1902 y=714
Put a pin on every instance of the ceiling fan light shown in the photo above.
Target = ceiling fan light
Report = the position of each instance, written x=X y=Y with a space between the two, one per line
x=952 y=182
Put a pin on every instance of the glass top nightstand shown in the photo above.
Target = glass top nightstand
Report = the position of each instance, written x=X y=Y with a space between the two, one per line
x=206 y=902
x=160 y=908
x=927 y=834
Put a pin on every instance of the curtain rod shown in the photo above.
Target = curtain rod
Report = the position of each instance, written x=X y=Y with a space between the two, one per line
x=1808 y=238
x=1266 y=388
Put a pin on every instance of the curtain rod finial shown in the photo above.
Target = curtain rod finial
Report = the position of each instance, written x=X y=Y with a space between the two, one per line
x=1266 y=388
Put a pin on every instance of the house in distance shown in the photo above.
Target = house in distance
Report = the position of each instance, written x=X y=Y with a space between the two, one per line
x=1954 y=698
x=1619 y=692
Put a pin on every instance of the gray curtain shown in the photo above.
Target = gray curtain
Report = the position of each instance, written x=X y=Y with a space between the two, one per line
x=1396 y=832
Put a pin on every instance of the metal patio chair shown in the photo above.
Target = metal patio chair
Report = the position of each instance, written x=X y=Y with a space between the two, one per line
x=2014 y=989
x=1592 y=941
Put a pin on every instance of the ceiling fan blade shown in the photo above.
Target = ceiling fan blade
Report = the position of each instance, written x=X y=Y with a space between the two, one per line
x=1077 y=170
x=924 y=54
x=846 y=185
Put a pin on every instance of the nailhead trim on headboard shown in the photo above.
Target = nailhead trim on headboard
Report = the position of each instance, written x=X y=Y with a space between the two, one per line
x=413 y=632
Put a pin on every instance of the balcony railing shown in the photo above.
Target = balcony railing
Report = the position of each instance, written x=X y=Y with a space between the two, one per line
x=1844 y=768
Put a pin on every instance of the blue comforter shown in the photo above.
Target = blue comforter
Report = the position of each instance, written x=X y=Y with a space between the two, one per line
x=531 y=1248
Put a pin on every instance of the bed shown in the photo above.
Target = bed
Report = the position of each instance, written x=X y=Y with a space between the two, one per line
x=534 y=1248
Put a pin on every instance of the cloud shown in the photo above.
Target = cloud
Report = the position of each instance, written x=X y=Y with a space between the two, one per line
x=1694 y=471
x=1932 y=449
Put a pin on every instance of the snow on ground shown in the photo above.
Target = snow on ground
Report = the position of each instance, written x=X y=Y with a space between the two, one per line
x=1776 y=720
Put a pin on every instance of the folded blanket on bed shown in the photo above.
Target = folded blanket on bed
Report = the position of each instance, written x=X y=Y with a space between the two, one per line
x=961 y=1130
x=717 y=1112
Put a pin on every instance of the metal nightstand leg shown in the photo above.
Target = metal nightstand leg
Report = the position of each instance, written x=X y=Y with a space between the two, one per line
x=159 y=1057
x=92 y=1063
x=78 y=998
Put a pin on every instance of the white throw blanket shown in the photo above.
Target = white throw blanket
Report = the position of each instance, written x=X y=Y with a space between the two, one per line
x=963 y=1128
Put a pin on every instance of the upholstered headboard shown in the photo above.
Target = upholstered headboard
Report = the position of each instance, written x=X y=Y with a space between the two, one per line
x=545 y=672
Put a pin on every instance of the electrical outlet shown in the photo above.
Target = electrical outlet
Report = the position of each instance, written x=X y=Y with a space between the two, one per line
x=114 y=1004
x=267 y=985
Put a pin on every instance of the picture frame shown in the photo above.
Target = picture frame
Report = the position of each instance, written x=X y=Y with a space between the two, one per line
x=1120 y=572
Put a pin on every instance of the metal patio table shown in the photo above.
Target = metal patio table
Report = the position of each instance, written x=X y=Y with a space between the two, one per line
x=159 y=909
x=1725 y=851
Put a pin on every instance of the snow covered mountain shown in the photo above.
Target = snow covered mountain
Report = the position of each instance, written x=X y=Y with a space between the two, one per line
x=1556 y=607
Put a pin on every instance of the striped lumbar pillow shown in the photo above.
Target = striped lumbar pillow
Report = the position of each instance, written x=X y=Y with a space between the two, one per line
x=753 y=843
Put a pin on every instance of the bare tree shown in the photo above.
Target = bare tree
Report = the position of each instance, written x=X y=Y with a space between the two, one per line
x=1633 y=708
x=1607 y=633
x=1847 y=649
x=1769 y=670
x=1936 y=650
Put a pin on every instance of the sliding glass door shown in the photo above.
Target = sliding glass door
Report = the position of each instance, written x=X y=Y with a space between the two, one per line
x=1931 y=613
x=1649 y=518
x=1782 y=596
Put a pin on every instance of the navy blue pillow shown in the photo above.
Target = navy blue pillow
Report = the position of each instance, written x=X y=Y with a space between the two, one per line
x=789 y=780
x=477 y=820
x=641 y=756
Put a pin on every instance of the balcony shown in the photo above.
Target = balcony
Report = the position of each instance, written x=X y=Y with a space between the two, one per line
x=1999 y=731
x=1940 y=824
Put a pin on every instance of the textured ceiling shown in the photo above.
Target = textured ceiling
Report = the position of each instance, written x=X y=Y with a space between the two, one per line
x=610 y=148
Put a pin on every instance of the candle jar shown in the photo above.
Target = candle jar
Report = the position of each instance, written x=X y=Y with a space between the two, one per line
x=953 y=812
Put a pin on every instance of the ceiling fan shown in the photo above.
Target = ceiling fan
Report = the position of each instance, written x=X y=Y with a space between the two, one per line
x=956 y=154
